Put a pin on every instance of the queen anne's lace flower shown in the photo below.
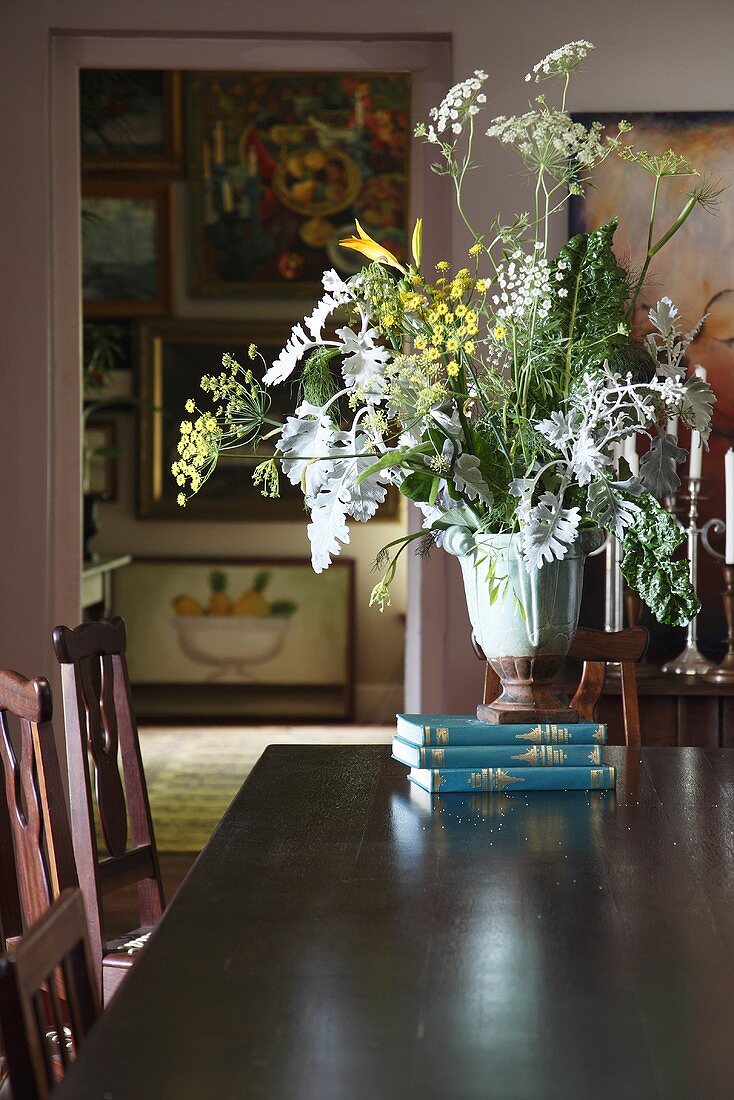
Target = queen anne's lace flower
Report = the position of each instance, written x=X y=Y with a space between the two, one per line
x=553 y=141
x=523 y=283
x=460 y=102
x=566 y=59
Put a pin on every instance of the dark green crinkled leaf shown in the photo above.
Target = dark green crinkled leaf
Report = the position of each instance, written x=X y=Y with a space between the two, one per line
x=588 y=305
x=648 y=567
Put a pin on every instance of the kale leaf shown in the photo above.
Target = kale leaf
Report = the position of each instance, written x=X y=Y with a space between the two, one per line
x=647 y=566
x=589 y=290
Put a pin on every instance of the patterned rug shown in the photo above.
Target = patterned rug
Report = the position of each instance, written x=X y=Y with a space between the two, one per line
x=193 y=774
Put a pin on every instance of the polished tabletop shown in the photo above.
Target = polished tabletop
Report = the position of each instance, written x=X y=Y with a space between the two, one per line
x=343 y=936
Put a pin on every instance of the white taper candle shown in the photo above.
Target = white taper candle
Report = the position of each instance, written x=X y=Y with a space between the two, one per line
x=729 y=483
x=694 y=468
x=630 y=453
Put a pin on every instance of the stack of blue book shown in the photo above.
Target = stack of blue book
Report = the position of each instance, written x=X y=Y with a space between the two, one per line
x=453 y=752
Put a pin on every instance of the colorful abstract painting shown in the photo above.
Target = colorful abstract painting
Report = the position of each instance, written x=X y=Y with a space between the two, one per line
x=696 y=270
x=280 y=166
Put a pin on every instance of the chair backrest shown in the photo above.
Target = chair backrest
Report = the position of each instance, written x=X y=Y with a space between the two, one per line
x=101 y=730
x=596 y=648
x=48 y=998
x=36 y=853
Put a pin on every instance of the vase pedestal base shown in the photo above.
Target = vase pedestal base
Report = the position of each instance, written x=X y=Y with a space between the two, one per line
x=527 y=694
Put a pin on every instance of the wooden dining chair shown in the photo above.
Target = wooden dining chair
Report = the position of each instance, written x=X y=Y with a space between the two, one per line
x=48 y=998
x=596 y=649
x=101 y=735
x=36 y=852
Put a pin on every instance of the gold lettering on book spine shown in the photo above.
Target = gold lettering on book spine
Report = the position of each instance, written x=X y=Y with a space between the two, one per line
x=438 y=780
x=598 y=778
x=438 y=757
x=546 y=735
x=442 y=735
x=595 y=755
x=600 y=735
x=492 y=779
x=500 y=779
x=543 y=756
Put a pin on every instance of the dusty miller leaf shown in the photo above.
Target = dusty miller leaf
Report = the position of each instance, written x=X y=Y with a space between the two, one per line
x=658 y=467
x=548 y=531
x=468 y=479
x=698 y=404
x=608 y=509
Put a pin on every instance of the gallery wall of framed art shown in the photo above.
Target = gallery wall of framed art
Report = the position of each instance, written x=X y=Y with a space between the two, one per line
x=227 y=191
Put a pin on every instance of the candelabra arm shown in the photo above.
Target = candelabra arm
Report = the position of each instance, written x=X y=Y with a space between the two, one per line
x=717 y=527
x=600 y=549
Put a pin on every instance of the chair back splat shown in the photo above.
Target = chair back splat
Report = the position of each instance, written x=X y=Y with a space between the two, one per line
x=100 y=733
x=48 y=998
x=596 y=649
x=36 y=852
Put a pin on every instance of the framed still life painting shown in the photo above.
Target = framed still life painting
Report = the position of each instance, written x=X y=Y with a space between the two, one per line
x=131 y=121
x=126 y=249
x=281 y=164
x=173 y=356
x=696 y=270
x=239 y=637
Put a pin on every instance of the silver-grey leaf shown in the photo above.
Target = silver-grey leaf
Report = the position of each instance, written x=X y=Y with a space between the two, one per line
x=698 y=404
x=548 y=531
x=658 y=467
x=608 y=509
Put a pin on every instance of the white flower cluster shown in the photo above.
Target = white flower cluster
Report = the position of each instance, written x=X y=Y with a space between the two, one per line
x=523 y=284
x=566 y=59
x=553 y=141
x=461 y=101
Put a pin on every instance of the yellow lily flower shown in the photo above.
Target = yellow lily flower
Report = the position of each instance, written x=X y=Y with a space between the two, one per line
x=417 y=242
x=371 y=249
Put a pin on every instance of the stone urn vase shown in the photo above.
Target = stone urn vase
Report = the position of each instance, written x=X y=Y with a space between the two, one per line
x=524 y=622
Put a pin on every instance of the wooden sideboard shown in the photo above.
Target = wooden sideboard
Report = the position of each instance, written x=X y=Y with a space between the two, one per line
x=672 y=711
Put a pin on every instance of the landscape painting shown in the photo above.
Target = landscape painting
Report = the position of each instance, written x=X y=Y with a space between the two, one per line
x=696 y=270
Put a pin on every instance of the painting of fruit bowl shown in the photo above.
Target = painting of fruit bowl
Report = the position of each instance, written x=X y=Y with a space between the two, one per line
x=277 y=162
x=207 y=630
x=230 y=635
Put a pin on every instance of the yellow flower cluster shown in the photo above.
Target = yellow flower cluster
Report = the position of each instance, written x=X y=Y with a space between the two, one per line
x=197 y=448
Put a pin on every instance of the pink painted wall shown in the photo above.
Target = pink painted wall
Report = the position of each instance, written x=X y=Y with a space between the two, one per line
x=664 y=54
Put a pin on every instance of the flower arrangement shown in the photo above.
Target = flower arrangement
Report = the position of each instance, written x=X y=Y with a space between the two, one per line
x=495 y=396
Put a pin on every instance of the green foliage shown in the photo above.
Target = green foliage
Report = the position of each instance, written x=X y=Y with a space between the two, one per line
x=647 y=566
x=585 y=324
x=420 y=485
x=317 y=382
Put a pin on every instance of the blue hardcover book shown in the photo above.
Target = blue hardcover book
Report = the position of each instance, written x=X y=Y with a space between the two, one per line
x=507 y=780
x=496 y=756
x=461 y=729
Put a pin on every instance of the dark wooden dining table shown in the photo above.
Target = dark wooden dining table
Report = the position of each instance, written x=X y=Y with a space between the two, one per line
x=345 y=936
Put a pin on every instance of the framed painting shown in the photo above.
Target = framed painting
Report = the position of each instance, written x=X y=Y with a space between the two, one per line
x=173 y=356
x=126 y=249
x=696 y=270
x=280 y=166
x=100 y=445
x=263 y=638
x=131 y=121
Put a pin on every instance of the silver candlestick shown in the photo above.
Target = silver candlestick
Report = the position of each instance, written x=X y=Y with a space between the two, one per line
x=690 y=661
